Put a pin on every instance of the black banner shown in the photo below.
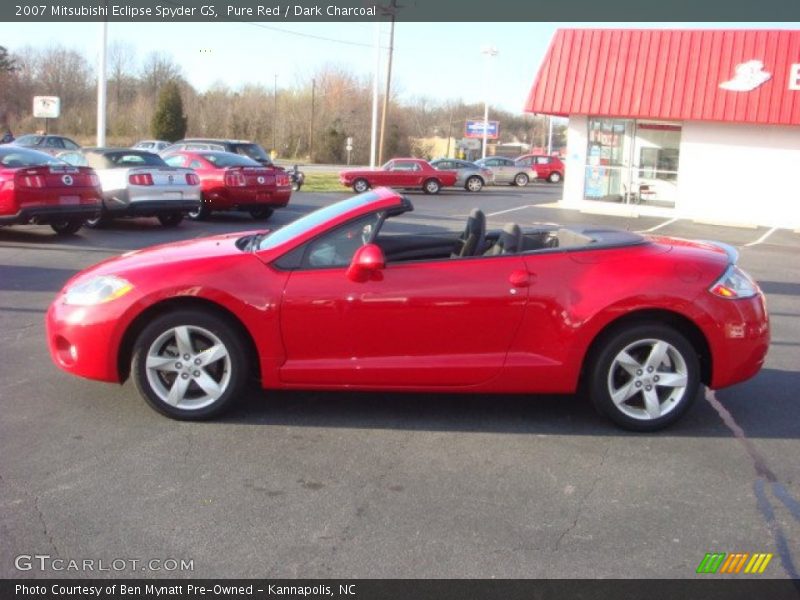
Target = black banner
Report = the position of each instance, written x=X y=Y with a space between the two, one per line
x=405 y=589
x=402 y=10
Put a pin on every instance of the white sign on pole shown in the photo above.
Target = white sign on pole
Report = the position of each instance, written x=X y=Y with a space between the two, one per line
x=46 y=107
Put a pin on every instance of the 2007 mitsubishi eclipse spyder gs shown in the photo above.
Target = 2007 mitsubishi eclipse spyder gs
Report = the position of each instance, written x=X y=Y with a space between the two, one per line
x=337 y=300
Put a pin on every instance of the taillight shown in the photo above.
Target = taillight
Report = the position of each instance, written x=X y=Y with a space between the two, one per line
x=141 y=179
x=282 y=179
x=734 y=284
x=94 y=180
x=192 y=179
x=31 y=181
x=234 y=179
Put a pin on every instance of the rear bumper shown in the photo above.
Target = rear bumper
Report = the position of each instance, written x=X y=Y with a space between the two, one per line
x=51 y=214
x=146 y=208
x=244 y=199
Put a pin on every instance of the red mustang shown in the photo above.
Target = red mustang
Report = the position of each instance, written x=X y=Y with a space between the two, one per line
x=400 y=173
x=234 y=182
x=334 y=301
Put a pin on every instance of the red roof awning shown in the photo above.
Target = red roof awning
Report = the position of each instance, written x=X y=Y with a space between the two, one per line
x=742 y=76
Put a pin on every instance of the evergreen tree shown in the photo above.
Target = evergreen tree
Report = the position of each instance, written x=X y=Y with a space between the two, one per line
x=169 y=122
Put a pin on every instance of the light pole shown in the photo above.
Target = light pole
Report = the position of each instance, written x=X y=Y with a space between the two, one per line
x=488 y=51
x=274 y=113
x=101 y=86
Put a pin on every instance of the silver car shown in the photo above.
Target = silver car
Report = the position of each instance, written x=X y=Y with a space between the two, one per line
x=139 y=184
x=507 y=171
x=154 y=146
x=470 y=176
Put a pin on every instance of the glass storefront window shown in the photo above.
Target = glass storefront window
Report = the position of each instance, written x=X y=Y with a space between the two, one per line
x=632 y=161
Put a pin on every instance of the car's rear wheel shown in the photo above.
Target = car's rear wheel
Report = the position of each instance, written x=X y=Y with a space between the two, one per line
x=69 y=227
x=261 y=214
x=360 y=186
x=521 y=180
x=554 y=177
x=474 y=184
x=190 y=364
x=199 y=214
x=170 y=219
x=431 y=186
x=644 y=377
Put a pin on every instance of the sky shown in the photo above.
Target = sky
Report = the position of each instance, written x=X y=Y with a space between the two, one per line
x=439 y=61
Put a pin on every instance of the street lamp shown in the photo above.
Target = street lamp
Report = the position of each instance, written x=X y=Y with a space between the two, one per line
x=488 y=51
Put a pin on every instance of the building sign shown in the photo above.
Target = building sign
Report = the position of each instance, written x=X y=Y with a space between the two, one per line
x=748 y=76
x=474 y=129
x=46 y=107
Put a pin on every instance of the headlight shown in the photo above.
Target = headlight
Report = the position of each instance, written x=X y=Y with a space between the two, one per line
x=97 y=290
x=734 y=284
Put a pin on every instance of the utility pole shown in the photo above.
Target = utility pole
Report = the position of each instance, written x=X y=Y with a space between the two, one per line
x=388 y=85
x=275 y=114
x=375 y=76
x=311 y=124
x=101 y=88
x=488 y=52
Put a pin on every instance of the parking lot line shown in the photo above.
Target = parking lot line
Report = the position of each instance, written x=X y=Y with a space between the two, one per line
x=762 y=238
x=659 y=226
x=508 y=210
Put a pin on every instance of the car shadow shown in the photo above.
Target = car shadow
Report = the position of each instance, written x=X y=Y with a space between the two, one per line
x=764 y=407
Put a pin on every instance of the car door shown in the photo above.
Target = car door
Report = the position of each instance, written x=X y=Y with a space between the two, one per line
x=436 y=323
x=496 y=165
x=406 y=174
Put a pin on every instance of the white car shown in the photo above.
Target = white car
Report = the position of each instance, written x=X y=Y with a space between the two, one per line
x=154 y=146
x=137 y=183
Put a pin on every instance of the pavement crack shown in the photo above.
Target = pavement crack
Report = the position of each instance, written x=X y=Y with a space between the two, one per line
x=582 y=502
x=42 y=520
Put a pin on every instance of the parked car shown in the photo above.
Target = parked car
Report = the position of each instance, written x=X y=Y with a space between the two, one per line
x=507 y=171
x=332 y=301
x=136 y=183
x=38 y=188
x=550 y=168
x=51 y=144
x=234 y=182
x=154 y=146
x=470 y=176
x=243 y=147
x=409 y=173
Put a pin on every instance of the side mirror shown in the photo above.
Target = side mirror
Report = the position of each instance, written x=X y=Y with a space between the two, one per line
x=367 y=262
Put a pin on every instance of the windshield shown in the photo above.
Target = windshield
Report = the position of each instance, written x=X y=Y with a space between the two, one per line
x=14 y=158
x=226 y=159
x=254 y=151
x=311 y=220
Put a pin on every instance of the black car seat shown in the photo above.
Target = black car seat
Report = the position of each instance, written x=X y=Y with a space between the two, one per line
x=509 y=241
x=473 y=239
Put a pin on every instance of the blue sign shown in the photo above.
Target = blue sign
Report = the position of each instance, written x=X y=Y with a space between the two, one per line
x=474 y=129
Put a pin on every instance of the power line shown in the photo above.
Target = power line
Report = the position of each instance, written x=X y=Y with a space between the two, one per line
x=310 y=35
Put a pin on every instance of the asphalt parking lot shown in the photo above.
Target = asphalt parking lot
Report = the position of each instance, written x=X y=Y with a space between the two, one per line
x=390 y=485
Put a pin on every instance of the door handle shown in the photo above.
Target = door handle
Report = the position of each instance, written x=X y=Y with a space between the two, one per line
x=520 y=278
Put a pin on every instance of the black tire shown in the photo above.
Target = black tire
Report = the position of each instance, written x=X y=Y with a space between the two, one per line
x=521 y=180
x=473 y=183
x=555 y=177
x=360 y=186
x=261 y=214
x=98 y=222
x=607 y=374
x=200 y=213
x=230 y=372
x=296 y=186
x=170 y=219
x=431 y=186
x=69 y=227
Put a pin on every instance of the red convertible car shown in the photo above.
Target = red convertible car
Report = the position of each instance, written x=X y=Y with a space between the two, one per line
x=337 y=300
x=407 y=173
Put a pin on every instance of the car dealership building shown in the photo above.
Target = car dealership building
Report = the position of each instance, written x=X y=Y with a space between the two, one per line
x=700 y=124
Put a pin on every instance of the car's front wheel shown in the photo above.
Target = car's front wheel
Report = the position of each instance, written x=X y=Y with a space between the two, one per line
x=555 y=177
x=101 y=220
x=360 y=186
x=521 y=180
x=69 y=227
x=644 y=377
x=190 y=364
x=474 y=184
